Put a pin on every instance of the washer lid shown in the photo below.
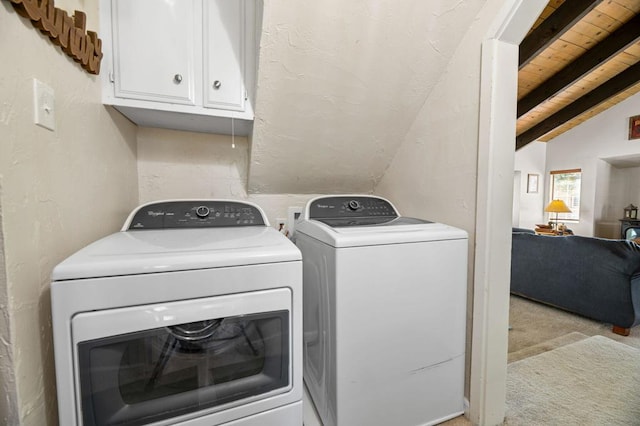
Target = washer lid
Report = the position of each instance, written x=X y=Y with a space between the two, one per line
x=167 y=250
x=371 y=221
x=400 y=232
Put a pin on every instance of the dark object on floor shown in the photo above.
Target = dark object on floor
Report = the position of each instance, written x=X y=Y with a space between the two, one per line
x=593 y=277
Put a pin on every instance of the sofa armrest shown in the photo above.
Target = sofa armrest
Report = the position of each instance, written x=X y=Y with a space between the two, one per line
x=634 y=290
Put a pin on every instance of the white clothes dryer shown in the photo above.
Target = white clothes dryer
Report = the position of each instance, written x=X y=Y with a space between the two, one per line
x=384 y=313
x=191 y=315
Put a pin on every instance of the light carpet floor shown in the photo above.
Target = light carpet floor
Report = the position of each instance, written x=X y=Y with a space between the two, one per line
x=595 y=381
x=537 y=328
x=545 y=346
x=534 y=323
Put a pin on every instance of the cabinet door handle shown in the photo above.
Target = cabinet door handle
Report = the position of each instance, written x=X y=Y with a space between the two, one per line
x=177 y=78
x=217 y=84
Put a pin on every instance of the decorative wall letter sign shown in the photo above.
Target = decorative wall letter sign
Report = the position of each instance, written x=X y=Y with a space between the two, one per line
x=67 y=32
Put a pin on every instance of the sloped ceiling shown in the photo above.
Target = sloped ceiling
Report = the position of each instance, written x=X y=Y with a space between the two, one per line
x=340 y=82
x=579 y=59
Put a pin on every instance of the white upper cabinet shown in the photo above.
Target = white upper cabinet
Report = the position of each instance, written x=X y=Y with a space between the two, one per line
x=224 y=54
x=187 y=64
x=152 y=62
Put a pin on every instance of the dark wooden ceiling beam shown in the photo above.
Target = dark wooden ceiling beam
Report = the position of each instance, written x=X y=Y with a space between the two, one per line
x=612 y=87
x=552 y=28
x=618 y=41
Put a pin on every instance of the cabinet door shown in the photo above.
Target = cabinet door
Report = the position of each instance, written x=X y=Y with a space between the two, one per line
x=155 y=45
x=224 y=54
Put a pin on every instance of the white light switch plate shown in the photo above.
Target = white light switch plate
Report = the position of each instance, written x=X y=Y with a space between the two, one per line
x=44 y=113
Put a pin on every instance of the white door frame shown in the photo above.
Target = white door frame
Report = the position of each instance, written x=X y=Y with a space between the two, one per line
x=496 y=149
x=515 y=211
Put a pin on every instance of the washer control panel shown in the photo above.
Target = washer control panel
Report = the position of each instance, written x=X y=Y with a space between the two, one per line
x=195 y=214
x=351 y=207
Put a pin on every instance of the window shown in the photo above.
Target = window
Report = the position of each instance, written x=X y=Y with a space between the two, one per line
x=565 y=186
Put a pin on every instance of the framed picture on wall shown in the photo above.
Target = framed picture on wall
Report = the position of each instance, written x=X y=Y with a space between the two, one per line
x=532 y=183
x=634 y=127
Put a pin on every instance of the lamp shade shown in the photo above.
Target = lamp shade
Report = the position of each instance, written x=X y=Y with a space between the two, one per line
x=557 y=206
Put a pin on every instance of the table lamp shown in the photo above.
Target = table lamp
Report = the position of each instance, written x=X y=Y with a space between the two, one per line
x=557 y=206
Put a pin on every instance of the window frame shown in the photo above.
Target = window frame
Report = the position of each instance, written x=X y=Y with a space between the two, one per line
x=574 y=216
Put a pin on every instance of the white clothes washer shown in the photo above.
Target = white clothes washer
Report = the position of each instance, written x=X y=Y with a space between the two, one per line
x=191 y=315
x=384 y=313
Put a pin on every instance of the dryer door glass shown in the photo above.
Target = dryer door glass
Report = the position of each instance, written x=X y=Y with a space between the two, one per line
x=150 y=375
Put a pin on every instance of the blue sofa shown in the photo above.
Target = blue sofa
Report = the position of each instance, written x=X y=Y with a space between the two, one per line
x=593 y=277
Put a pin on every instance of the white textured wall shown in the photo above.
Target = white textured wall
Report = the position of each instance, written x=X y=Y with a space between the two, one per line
x=58 y=191
x=616 y=188
x=433 y=174
x=603 y=136
x=609 y=191
x=340 y=83
x=531 y=160
x=630 y=182
x=9 y=414
x=176 y=164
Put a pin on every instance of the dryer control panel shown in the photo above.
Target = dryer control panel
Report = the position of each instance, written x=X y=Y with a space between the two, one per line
x=195 y=214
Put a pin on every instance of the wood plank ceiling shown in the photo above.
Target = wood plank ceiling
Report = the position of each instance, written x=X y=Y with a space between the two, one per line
x=580 y=58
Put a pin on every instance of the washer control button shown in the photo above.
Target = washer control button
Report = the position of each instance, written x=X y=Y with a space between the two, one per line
x=202 y=211
x=354 y=205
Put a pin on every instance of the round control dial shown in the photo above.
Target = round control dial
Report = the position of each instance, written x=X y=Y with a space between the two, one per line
x=353 y=205
x=202 y=211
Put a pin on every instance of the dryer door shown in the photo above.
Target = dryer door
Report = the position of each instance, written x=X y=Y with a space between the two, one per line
x=146 y=364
